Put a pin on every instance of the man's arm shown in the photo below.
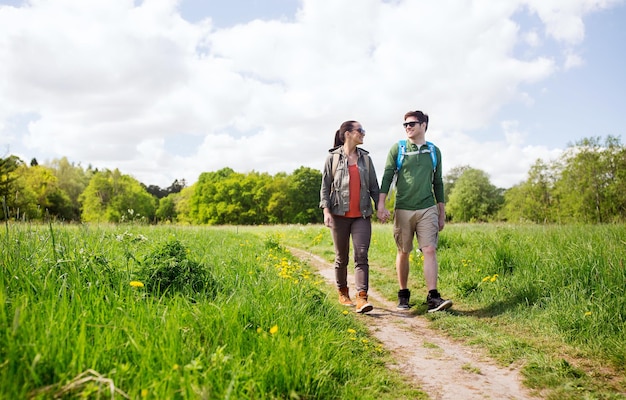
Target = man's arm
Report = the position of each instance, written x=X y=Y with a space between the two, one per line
x=442 y=215
x=382 y=213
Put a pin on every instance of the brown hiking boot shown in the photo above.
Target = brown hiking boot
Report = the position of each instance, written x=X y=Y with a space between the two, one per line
x=344 y=297
x=362 y=305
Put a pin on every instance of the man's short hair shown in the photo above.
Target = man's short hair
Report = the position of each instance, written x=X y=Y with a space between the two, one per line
x=421 y=117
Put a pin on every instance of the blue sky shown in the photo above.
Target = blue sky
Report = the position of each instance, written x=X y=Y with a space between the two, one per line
x=583 y=101
x=166 y=89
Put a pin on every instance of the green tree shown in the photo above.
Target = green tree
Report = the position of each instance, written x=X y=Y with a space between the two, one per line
x=616 y=170
x=474 y=198
x=8 y=185
x=591 y=183
x=279 y=207
x=182 y=202
x=73 y=180
x=114 y=197
x=166 y=211
x=532 y=200
x=228 y=197
x=303 y=190
x=43 y=195
x=449 y=180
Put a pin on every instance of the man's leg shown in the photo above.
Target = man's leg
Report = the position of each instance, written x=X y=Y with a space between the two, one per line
x=402 y=268
x=403 y=233
x=427 y=237
x=431 y=268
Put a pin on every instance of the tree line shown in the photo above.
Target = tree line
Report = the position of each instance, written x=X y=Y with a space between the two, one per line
x=66 y=191
x=586 y=184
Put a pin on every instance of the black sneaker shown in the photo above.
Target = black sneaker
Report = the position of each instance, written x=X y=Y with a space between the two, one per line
x=403 y=299
x=437 y=304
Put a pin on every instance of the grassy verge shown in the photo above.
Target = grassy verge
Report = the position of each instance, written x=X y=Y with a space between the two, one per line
x=170 y=312
x=551 y=299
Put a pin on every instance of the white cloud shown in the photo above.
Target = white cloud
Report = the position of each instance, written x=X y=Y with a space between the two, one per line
x=572 y=60
x=563 y=19
x=507 y=162
x=532 y=38
x=112 y=83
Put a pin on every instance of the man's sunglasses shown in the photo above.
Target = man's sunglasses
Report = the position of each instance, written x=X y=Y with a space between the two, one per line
x=411 y=124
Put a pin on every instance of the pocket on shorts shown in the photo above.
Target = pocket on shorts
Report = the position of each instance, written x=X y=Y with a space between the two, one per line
x=397 y=235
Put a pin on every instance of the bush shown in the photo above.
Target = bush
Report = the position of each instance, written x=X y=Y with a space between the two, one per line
x=168 y=270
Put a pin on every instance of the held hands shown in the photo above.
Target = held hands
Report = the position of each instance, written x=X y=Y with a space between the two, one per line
x=383 y=214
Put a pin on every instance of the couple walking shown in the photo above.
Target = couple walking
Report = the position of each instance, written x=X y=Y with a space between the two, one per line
x=349 y=185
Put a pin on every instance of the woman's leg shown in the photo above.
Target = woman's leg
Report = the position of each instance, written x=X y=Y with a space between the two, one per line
x=341 y=240
x=361 y=238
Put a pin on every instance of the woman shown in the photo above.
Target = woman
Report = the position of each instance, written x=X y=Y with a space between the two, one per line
x=349 y=185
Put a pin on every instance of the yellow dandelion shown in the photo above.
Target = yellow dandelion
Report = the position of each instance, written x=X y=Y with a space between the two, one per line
x=136 y=284
x=345 y=312
x=352 y=338
x=352 y=331
x=365 y=341
x=144 y=392
x=485 y=279
x=588 y=314
x=175 y=367
x=274 y=329
x=259 y=330
x=493 y=278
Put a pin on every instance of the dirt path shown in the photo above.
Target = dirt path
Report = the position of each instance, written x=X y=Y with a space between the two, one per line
x=441 y=367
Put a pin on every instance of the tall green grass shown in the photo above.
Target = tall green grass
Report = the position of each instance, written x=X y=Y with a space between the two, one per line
x=550 y=297
x=170 y=312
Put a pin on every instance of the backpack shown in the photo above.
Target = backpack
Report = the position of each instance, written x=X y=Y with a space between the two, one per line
x=402 y=152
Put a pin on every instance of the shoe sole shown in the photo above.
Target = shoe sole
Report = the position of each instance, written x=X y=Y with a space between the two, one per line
x=365 y=308
x=443 y=306
x=404 y=308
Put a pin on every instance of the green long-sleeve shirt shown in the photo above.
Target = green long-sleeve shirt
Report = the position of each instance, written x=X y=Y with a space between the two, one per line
x=417 y=186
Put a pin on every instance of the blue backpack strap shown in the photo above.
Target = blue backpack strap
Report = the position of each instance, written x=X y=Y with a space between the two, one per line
x=433 y=154
x=401 y=152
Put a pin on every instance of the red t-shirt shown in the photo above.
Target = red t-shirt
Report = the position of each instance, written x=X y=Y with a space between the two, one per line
x=355 y=192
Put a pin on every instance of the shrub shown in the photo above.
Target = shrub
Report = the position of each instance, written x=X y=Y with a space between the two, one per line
x=168 y=270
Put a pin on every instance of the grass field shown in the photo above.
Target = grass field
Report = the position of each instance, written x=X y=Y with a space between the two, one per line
x=197 y=312
x=167 y=312
x=551 y=298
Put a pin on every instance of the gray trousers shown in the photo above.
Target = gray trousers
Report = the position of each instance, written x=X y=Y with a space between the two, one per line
x=361 y=231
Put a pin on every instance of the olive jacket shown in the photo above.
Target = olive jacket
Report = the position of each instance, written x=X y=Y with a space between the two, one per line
x=335 y=192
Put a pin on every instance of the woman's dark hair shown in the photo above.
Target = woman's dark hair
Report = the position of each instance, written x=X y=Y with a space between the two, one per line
x=340 y=135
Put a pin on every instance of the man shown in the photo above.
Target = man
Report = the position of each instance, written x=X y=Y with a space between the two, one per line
x=420 y=206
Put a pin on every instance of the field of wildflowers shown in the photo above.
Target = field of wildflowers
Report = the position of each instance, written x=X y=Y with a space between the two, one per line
x=133 y=311
x=551 y=298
